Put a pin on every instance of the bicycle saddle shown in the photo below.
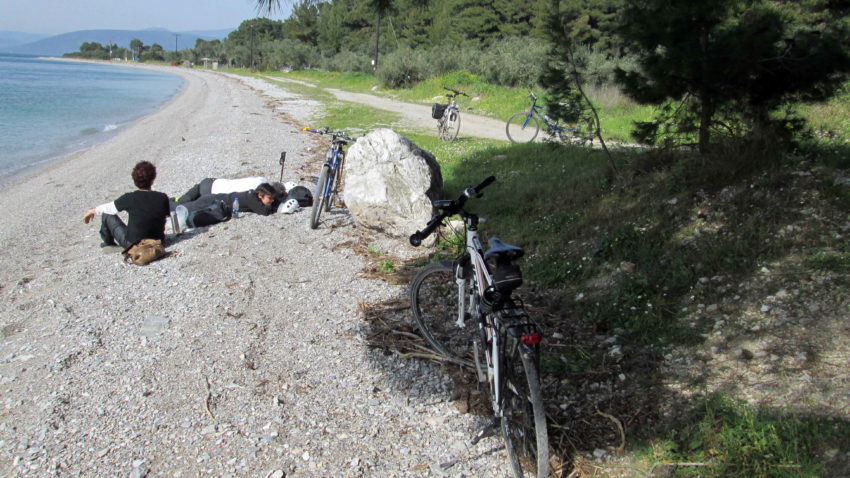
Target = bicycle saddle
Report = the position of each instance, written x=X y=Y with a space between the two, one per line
x=500 y=249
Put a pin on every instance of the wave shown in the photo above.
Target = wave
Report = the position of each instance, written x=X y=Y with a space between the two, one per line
x=110 y=127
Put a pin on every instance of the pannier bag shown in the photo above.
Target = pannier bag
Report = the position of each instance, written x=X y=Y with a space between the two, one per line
x=300 y=194
x=145 y=251
x=438 y=110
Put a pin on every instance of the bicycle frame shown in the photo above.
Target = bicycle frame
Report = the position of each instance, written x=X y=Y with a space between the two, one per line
x=333 y=161
x=552 y=127
x=489 y=327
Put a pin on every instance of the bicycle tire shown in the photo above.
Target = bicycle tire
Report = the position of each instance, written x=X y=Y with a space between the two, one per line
x=523 y=415
x=336 y=182
x=452 y=125
x=434 y=303
x=319 y=197
x=328 y=203
x=520 y=132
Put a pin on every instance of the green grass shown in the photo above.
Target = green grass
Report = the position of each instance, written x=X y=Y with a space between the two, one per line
x=722 y=437
x=616 y=112
x=635 y=248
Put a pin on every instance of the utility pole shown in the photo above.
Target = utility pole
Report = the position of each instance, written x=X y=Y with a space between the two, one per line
x=252 y=47
x=176 y=36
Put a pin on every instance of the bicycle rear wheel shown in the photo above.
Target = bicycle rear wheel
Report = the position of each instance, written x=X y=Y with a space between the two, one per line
x=434 y=302
x=522 y=128
x=523 y=416
x=319 y=196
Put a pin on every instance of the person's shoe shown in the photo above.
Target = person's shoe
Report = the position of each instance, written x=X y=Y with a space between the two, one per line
x=108 y=244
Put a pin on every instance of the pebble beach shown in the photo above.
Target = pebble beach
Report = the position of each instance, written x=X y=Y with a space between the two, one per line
x=242 y=353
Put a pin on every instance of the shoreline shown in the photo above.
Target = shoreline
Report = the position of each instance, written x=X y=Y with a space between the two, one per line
x=32 y=170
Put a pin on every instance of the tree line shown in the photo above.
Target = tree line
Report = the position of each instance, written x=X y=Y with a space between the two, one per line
x=718 y=69
x=111 y=51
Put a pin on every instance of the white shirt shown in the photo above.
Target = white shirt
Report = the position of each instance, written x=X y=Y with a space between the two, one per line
x=220 y=186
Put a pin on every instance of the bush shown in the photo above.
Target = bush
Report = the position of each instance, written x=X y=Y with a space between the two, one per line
x=290 y=54
x=445 y=58
x=403 y=67
x=347 y=61
x=514 y=61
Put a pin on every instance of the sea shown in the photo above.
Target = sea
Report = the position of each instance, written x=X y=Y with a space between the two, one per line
x=52 y=108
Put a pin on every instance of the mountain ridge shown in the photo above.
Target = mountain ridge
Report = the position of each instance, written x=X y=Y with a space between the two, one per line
x=58 y=45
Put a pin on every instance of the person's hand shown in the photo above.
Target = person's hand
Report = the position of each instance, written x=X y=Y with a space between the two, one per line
x=89 y=216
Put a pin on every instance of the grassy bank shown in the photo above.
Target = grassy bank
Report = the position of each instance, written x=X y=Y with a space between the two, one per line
x=693 y=306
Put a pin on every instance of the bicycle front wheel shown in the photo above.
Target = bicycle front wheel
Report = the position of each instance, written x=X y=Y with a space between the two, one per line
x=319 y=196
x=332 y=177
x=523 y=416
x=435 y=303
x=452 y=125
x=522 y=128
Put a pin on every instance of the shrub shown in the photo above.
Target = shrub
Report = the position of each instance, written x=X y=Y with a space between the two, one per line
x=290 y=54
x=513 y=61
x=347 y=61
x=403 y=67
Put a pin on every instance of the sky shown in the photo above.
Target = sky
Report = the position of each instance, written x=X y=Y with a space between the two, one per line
x=53 y=17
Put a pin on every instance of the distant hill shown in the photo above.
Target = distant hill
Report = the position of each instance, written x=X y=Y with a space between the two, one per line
x=70 y=42
x=11 y=39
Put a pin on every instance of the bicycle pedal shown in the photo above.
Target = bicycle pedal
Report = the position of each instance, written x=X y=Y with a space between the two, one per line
x=487 y=431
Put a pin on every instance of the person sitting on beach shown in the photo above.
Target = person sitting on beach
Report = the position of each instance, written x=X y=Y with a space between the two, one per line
x=217 y=207
x=210 y=186
x=147 y=212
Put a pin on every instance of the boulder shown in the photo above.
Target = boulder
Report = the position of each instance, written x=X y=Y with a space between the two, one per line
x=390 y=183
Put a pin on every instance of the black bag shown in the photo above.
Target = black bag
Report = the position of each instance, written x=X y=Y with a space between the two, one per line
x=300 y=194
x=213 y=214
x=438 y=110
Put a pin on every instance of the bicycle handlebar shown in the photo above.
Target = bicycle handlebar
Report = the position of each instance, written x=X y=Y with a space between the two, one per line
x=450 y=209
x=456 y=92
x=341 y=135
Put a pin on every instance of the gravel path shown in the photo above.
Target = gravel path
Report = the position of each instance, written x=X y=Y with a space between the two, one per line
x=240 y=354
x=419 y=116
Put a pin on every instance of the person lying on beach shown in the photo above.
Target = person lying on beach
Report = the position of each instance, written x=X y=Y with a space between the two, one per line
x=221 y=186
x=213 y=208
x=147 y=212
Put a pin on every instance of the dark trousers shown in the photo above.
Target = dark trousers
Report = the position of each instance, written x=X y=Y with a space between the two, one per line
x=113 y=230
x=203 y=188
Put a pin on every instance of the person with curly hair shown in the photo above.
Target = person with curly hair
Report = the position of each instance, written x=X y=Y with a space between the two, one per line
x=147 y=211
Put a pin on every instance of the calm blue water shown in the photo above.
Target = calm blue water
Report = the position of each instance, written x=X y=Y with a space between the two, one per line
x=53 y=108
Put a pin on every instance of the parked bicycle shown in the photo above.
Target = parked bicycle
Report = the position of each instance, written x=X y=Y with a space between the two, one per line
x=524 y=126
x=448 y=115
x=330 y=176
x=466 y=311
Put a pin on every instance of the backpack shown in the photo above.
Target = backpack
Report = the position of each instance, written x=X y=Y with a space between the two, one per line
x=144 y=252
x=213 y=214
x=300 y=194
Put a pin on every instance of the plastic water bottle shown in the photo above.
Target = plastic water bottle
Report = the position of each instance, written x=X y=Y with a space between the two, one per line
x=235 y=212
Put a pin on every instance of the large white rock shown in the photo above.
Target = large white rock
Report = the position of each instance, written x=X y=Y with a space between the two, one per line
x=390 y=183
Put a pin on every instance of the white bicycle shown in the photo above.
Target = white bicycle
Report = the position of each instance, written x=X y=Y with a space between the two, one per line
x=448 y=115
x=465 y=310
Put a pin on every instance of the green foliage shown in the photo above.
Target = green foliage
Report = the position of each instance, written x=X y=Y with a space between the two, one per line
x=346 y=61
x=402 y=67
x=96 y=51
x=747 y=57
x=514 y=61
x=728 y=438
